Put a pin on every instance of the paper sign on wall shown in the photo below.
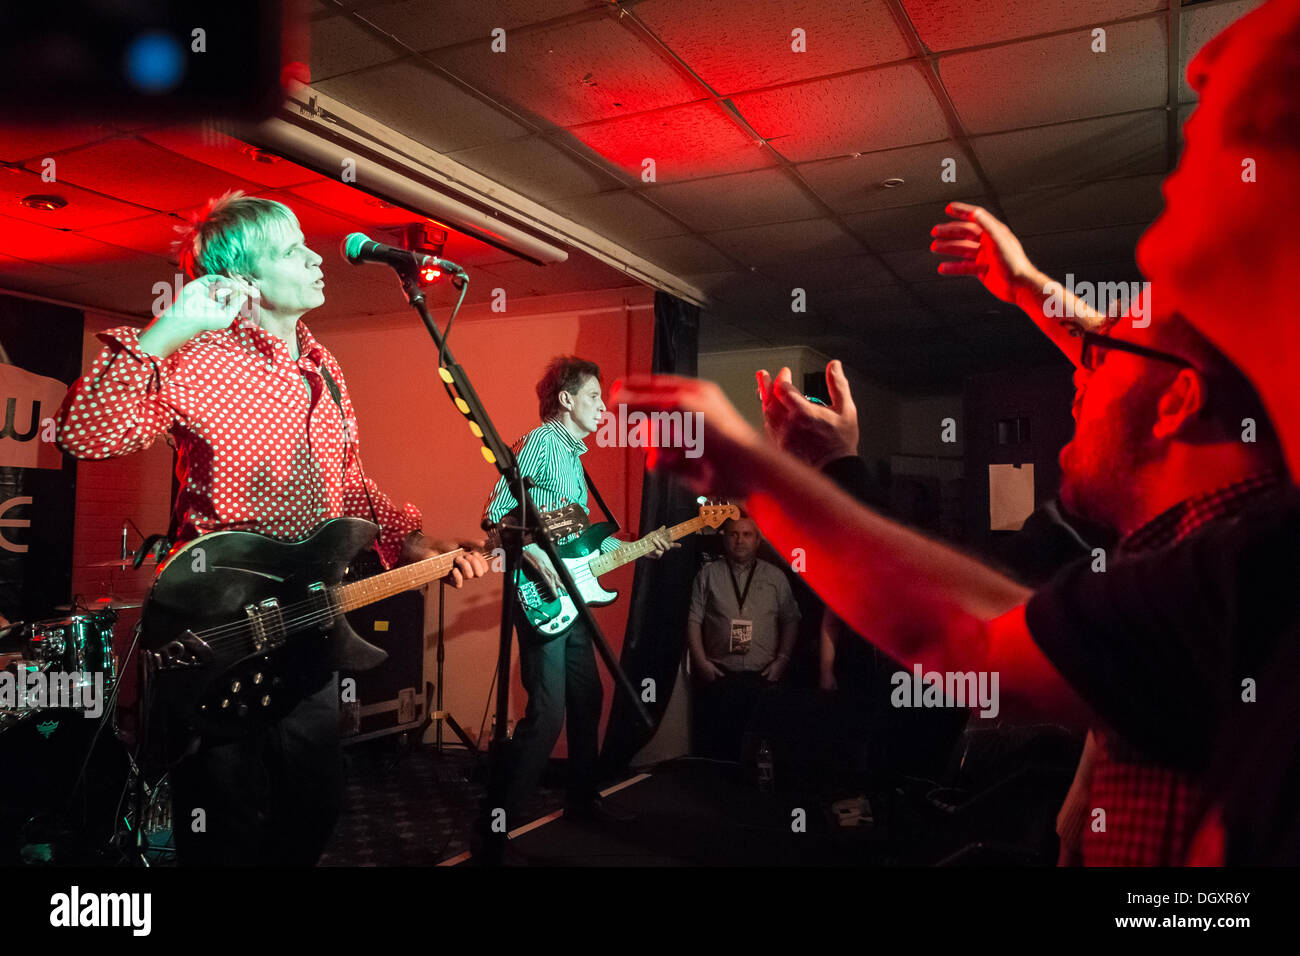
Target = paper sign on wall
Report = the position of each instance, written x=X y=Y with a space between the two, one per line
x=1011 y=496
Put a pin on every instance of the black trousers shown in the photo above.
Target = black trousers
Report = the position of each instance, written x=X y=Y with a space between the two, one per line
x=560 y=677
x=723 y=710
x=269 y=799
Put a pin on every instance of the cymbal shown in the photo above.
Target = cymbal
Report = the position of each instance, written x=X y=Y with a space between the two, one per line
x=124 y=564
x=103 y=604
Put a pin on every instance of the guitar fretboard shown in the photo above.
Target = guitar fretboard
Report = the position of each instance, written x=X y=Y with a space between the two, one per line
x=372 y=589
x=638 y=549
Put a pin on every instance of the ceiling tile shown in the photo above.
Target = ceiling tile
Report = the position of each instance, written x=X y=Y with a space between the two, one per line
x=734 y=53
x=110 y=276
x=622 y=215
x=350 y=202
x=535 y=168
x=1062 y=153
x=878 y=109
x=1200 y=24
x=883 y=295
x=431 y=109
x=904 y=227
x=1058 y=78
x=35 y=277
x=422 y=25
x=1061 y=251
x=84 y=208
x=744 y=199
x=1084 y=206
x=153 y=234
x=574 y=73
x=914 y=265
x=853 y=184
x=687 y=142
x=28 y=142
x=148 y=175
x=944 y=25
x=788 y=242
x=229 y=155
x=827 y=275
x=956 y=293
x=340 y=45
x=683 y=254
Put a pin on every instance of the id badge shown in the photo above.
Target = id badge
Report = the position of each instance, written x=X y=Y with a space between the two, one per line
x=742 y=632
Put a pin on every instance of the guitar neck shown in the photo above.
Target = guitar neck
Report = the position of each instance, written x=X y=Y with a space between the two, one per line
x=632 y=550
x=409 y=576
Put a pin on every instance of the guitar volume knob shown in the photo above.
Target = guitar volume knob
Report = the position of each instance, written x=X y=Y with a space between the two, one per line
x=266 y=700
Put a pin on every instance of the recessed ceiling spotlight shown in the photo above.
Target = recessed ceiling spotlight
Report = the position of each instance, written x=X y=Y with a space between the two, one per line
x=43 y=203
x=893 y=182
x=259 y=155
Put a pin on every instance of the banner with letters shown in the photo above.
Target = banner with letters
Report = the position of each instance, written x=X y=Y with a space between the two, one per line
x=40 y=356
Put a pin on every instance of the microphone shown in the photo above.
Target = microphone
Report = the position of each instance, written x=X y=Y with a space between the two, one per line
x=125 y=553
x=358 y=248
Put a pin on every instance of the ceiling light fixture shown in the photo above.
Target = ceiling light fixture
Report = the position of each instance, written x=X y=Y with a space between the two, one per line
x=43 y=203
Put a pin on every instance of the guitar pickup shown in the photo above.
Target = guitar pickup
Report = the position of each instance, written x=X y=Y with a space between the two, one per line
x=267 y=623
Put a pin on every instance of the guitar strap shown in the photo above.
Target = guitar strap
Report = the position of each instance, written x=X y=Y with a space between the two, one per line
x=337 y=395
x=595 y=493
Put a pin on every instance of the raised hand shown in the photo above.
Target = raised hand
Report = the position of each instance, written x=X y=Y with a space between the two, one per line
x=209 y=303
x=728 y=446
x=812 y=433
x=985 y=248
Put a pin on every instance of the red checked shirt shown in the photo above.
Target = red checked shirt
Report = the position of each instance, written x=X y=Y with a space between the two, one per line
x=1149 y=806
x=261 y=444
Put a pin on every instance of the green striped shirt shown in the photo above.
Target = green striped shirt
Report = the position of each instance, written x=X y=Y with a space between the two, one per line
x=553 y=459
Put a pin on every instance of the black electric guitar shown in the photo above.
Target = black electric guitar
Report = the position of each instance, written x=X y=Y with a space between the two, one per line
x=232 y=615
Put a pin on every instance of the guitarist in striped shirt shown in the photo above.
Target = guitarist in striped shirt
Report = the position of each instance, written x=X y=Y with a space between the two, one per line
x=559 y=674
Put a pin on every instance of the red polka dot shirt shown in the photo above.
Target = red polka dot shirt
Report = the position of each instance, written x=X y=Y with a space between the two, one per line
x=261 y=444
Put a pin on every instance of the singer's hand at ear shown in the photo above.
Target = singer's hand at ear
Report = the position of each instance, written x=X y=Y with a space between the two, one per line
x=209 y=303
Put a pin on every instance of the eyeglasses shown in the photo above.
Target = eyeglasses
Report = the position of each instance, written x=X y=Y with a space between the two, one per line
x=1093 y=342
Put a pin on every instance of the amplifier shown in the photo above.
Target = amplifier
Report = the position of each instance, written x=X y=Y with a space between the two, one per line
x=389 y=698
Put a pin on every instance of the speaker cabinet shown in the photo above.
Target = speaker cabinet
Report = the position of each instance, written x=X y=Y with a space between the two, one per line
x=390 y=698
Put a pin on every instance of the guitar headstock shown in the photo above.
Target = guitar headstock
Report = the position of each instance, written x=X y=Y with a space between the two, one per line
x=716 y=511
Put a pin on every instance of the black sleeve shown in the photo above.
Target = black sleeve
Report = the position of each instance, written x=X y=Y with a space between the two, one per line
x=852 y=474
x=1159 y=644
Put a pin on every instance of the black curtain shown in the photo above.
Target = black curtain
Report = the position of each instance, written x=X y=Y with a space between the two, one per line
x=661 y=590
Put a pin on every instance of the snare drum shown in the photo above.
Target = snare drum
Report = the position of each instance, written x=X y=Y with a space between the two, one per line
x=83 y=642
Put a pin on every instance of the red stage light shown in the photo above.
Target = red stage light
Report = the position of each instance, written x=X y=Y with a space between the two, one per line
x=430 y=275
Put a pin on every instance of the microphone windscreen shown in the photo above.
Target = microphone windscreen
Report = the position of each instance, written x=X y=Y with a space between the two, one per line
x=351 y=245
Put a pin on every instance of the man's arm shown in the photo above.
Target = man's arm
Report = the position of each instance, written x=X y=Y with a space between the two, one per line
x=120 y=405
x=917 y=600
x=987 y=249
x=701 y=666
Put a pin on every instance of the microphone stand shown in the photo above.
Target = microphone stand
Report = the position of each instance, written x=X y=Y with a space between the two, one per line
x=461 y=391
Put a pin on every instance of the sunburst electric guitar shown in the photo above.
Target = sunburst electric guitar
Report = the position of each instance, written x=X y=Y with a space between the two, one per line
x=551 y=615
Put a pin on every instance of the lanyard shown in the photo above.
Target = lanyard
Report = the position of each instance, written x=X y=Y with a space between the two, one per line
x=741 y=595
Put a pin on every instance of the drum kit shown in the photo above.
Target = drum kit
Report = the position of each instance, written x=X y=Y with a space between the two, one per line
x=68 y=774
